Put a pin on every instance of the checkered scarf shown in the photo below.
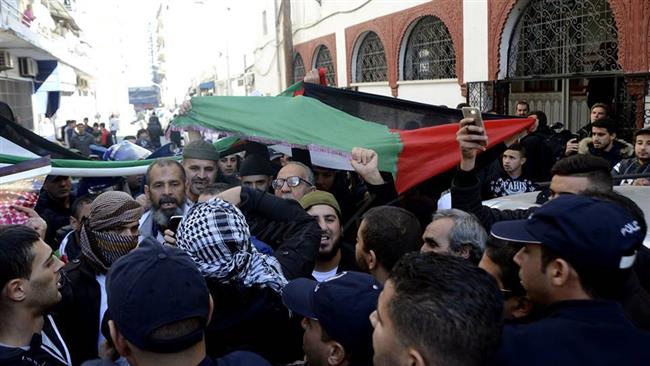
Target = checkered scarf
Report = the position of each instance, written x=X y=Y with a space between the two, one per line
x=110 y=210
x=216 y=236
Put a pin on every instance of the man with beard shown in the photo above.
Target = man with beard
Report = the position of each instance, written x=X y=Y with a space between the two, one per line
x=603 y=143
x=334 y=256
x=109 y=232
x=54 y=204
x=522 y=108
x=165 y=189
x=30 y=280
x=200 y=163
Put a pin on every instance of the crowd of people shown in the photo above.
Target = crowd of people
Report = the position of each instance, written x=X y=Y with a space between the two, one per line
x=251 y=258
x=92 y=140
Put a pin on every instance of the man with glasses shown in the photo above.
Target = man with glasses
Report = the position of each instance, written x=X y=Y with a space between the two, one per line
x=294 y=181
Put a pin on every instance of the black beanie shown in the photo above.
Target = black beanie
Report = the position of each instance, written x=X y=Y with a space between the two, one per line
x=255 y=165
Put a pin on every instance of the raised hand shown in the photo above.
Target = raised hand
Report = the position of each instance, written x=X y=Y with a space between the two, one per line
x=365 y=162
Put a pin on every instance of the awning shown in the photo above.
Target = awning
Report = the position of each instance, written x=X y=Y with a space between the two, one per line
x=206 y=85
x=55 y=76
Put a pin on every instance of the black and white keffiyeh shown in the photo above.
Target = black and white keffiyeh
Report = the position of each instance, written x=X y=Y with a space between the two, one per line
x=215 y=234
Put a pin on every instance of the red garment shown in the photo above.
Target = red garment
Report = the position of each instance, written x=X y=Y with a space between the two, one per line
x=104 y=138
x=28 y=17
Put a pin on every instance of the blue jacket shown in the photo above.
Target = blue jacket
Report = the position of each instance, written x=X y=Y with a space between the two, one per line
x=577 y=332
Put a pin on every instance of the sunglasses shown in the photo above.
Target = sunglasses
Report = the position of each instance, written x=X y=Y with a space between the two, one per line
x=291 y=182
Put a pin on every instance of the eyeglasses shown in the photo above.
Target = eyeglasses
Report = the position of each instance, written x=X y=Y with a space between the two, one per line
x=291 y=182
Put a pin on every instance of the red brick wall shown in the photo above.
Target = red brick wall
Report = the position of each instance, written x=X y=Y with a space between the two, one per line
x=391 y=30
x=308 y=51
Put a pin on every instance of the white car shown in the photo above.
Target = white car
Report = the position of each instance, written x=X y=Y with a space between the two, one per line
x=639 y=194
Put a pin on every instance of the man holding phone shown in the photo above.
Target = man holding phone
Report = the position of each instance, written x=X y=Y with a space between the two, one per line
x=166 y=190
x=477 y=121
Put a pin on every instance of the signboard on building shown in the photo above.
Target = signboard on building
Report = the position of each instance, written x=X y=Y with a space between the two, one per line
x=146 y=97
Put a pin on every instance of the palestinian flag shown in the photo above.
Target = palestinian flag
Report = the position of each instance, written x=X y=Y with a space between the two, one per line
x=329 y=133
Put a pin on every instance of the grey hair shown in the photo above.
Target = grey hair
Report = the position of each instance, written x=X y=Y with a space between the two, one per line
x=466 y=231
x=309 y=173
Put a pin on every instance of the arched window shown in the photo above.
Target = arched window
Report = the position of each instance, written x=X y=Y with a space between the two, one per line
x=324 y=59
x=429 y=51
x=298 y=68
x=555 y=37
x=371 y=60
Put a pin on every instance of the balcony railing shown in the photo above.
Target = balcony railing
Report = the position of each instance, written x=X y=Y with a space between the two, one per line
x=46 y=34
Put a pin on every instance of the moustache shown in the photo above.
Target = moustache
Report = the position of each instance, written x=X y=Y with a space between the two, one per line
x=168 y=199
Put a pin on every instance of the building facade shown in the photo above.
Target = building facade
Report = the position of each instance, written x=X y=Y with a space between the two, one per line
x=560 y=56
x=47 y=74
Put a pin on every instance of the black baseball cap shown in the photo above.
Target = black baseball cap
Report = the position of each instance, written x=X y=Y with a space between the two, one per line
x=153 y=286
x=586 y=231
x=342 y=305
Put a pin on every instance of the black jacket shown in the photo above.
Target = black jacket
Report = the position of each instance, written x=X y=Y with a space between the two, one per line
x=77 y=315
x=629 y=166
x=348 y=259
x=252 y=319
x=620 y=150
x=39 y=354
x=579 y=332
x=466 y=196
x=539 y=156
x=55 y=214
x=286 y=227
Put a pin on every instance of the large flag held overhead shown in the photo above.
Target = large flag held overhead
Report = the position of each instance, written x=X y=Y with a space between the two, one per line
x=330 y=134
x=392 y=112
